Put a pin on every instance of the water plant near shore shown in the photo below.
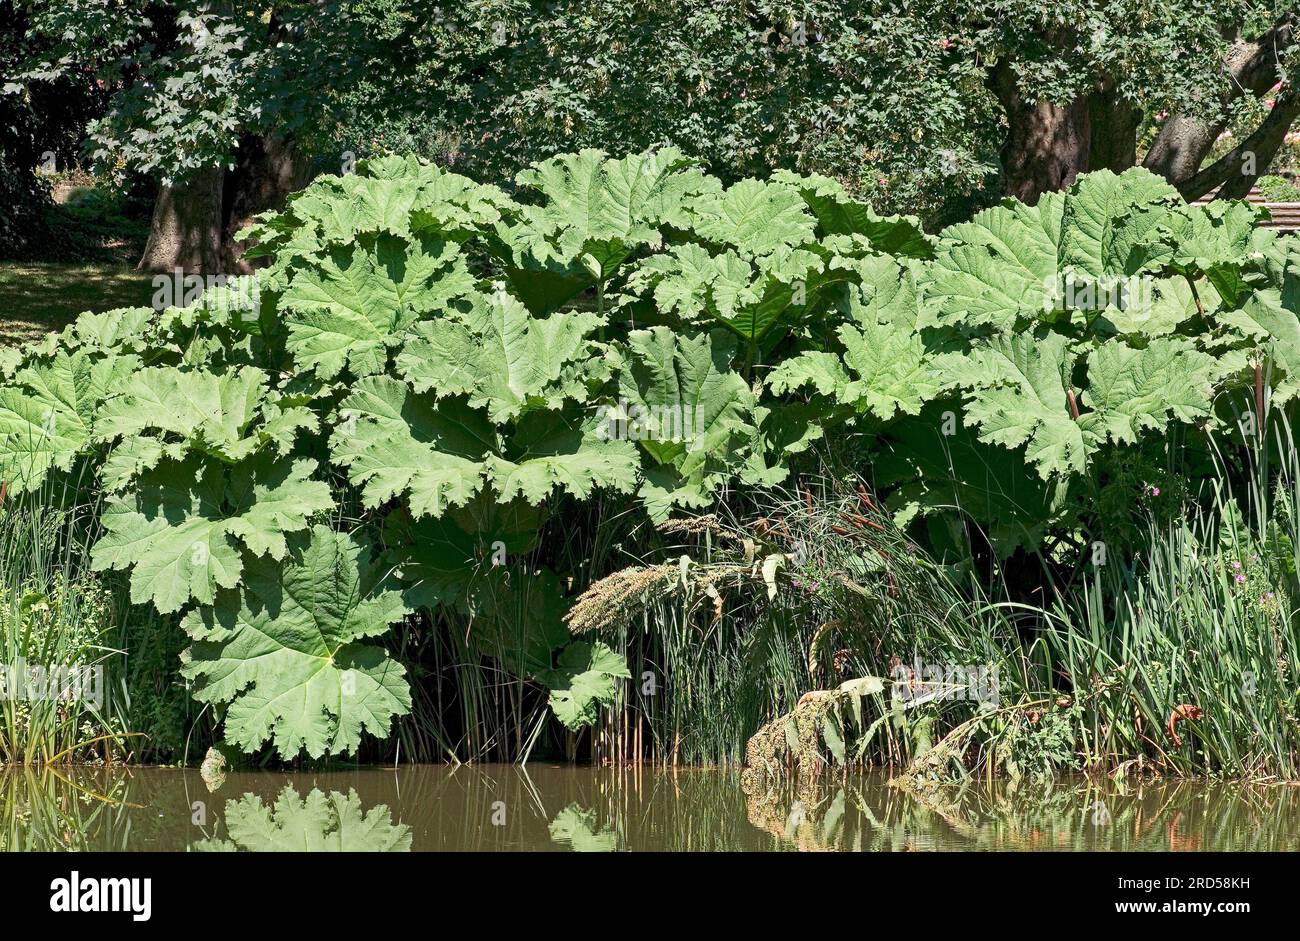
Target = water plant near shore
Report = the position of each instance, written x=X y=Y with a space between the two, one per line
x=367 y=475
x=56 y=636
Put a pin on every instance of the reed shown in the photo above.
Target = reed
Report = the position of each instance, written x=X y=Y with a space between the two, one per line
x=1191 y=649
x=58 y=629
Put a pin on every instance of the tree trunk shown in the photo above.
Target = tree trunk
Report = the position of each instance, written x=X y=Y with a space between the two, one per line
x=1047 y=144
x=194 y=223
x=1113 y=126
x=267 y=170
x=1264 y=145
x=1180 y=147
x=186 y=230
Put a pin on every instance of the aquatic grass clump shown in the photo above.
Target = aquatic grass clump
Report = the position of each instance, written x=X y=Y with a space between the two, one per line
x=736 y=621
x=1178 y=659
x=58 y=627
x=1192 y=651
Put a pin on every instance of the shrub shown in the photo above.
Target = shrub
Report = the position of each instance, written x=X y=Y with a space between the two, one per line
x=431 y=373
x=1278 y=189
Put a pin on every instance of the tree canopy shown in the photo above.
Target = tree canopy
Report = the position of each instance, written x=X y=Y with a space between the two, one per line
x=916 y=105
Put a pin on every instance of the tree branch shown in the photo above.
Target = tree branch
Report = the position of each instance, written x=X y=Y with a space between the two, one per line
x=1263 y=144
x=1184 y=141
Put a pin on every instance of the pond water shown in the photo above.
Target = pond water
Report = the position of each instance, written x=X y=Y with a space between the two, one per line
x=562 y=808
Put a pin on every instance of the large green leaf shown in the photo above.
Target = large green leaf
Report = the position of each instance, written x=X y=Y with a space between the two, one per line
x=349 y=308
x=594 y=213
x=838 y=213
x=687 y=408
x=1019 y=398
x=447 y=202
x=395 y=442
x=684 y=399
x=1135 y=390
x=51 y=413
x=998 y=269
x=1170 y=303
x=936 y=468
x=176 y=529
x=584 y=680
x=1111 y=219
x=498 y=356
x=1007 y=267
x=565 y=451
x=282 y=652
x=439 y=560
x=401 y=196
x=597 y=209
x=272 y=497
x=440 y=453
x=124 y=329
x=1207 y=239
x=1270 y=321
x=886 y=368
x=173 y=532
x=191 y=410
x=753 y=217
x=749 y=296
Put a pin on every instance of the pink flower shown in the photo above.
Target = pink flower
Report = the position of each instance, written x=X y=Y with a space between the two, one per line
x=1241 y=579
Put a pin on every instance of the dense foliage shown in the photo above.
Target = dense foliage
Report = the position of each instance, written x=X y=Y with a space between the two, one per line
x=380 y=424
x=877 y=95
x=919 y=105
x=41 y=128
x=907 y=103
x=182 y=81
x=1074 y=331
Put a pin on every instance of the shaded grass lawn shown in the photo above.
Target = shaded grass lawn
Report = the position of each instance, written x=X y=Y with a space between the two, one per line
x=36 y=297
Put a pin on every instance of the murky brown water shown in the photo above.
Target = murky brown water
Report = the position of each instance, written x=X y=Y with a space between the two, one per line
x=542 y=807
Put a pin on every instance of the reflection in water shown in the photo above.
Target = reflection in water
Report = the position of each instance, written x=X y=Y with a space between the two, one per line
x=318 y=823
x=602 y=809
x=577 y=828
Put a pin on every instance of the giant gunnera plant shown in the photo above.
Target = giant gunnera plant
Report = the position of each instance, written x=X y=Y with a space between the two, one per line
x=427 y=370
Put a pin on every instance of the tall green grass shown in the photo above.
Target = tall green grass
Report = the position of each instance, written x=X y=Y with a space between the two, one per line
x=717 y=648
x=1206 y=618
x=470 y=666
x=89 y=678
x=1179 y=658
x=57 y=621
